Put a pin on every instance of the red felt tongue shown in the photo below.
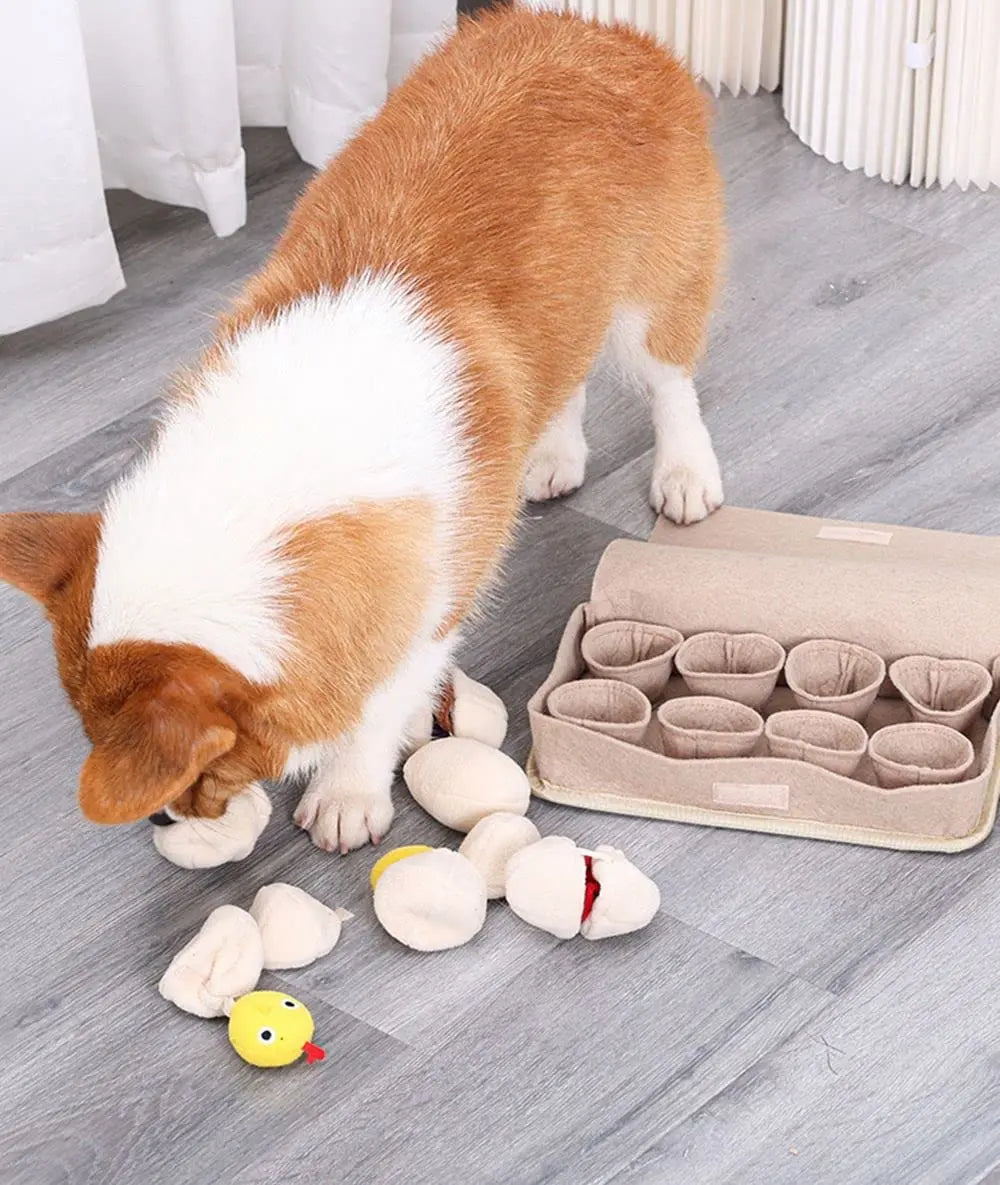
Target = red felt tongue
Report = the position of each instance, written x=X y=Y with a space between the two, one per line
x=313 y=1052
x=591 y=888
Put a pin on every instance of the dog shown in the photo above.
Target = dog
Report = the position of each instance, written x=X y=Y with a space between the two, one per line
x=280 y=582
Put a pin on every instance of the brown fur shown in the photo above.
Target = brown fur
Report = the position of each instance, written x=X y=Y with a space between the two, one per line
x=529 y=178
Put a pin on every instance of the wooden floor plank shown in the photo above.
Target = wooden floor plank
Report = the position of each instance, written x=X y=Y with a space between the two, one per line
x=559 y=1073
x=897 y=1081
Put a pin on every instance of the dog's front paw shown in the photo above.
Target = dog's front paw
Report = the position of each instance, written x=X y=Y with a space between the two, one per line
x=555 y=469
x=342 y=819
x=687 y=489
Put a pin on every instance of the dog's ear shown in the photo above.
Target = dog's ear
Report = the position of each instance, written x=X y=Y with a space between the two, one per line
x=38 y=552
x=154 y=749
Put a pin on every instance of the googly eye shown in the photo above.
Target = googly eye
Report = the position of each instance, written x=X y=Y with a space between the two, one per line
x=266 y=1036
x=289 y=1003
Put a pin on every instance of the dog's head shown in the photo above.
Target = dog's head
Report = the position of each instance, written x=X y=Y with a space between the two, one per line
x=170 y=725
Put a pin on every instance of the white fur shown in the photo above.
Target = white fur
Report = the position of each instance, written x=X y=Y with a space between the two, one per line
x=686 y=484
x=558 y=460
x=345 y=398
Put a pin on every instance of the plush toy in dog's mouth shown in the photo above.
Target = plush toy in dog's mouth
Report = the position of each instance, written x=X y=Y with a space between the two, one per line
x=194 y=842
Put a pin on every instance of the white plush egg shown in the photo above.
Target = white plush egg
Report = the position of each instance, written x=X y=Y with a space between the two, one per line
x=492 y=842
x=628 y=899
x=295 y=928
x=431 y=901
x=222 y=962
x=546 y=884
x=206 y=843
x=459 y=781
x=547 y=888
x=477 y=712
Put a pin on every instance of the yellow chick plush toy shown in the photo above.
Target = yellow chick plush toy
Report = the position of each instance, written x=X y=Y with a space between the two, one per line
x=271 y=1029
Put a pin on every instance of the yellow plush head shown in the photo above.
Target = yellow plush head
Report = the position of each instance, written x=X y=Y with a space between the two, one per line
x=272 y=1029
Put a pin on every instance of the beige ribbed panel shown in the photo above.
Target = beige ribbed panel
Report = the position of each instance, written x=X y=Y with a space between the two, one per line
x=964 y=131
x=850 y=94
x=927 y=92
x=731 y=43
x=847 y=91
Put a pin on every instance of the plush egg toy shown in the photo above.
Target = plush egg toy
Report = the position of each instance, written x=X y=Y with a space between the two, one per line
x=460 y=781
x=435 y=899
x=566 y=890
x=207 y=843
x=471 y=710
x=295 y=929
x=394 y=857
x=429 y=899
x=490 y=845
x=270 y=1029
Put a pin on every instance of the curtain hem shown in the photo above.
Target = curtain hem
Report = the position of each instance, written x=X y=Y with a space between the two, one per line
x=169 y=177
x=53 y=282
x=318 y=130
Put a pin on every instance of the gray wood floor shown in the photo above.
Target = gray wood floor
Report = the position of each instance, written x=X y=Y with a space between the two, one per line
x=800 y=1012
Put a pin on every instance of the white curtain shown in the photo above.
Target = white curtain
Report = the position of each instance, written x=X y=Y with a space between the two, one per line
x=150 y=95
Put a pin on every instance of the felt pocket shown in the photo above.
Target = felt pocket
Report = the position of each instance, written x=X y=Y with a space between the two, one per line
x=633 y=652
x=831 y=676
x=740 y=667
x=825 y=739
x=948 y=691
x=706 y=726
x=604 y=705
x=919 y=754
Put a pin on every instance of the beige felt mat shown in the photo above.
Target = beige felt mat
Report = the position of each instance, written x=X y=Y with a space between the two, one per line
x=896 y=591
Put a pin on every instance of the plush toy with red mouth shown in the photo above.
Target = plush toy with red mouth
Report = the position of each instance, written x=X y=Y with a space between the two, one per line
x=269 y=1029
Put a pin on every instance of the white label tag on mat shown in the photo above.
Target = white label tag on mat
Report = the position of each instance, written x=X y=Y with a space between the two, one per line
x=855 y=535
x=751 y=794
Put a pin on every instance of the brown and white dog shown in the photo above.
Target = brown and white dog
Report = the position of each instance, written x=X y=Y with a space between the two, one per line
x=279 y=584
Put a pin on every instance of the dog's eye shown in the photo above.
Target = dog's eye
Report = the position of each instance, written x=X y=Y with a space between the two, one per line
x=266 y=1035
